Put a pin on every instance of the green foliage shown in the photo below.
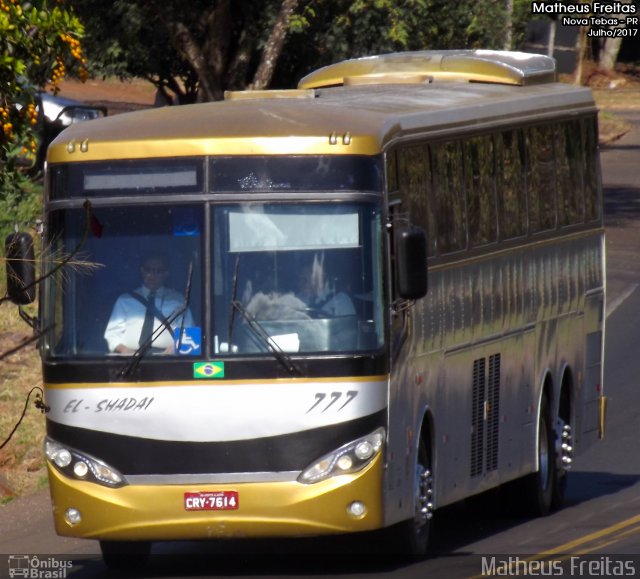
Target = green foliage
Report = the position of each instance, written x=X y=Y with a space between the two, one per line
x=20 y=202
x=130 y=39
x=38 y=44
x=214 y=44
x=152 y=38
x=327 y=31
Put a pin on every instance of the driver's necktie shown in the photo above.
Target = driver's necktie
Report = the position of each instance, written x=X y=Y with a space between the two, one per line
x=147 y=325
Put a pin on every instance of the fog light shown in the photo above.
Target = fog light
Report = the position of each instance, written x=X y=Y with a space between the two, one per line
x=72 y=516
x=357 y=509
x=80 y=469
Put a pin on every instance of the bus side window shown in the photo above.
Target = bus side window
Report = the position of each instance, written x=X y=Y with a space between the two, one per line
x=541 y=180
x=415 y=182
x=593 y=203
x=569 y=173
x=511 y=184
x=480 y=187
x=449 y=203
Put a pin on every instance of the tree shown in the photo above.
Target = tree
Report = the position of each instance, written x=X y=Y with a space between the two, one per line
x=38 y=46
x=339 y=29
x=609 y=53
x=220 y=45
x=274 y=44
x=190 y=55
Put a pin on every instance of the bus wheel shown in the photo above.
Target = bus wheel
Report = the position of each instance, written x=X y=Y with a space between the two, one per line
x=411 y=538
x=125 y=556
x=540 y=484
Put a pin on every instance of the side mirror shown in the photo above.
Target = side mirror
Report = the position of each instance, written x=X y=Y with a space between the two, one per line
x=411 y=262
x=21 y=268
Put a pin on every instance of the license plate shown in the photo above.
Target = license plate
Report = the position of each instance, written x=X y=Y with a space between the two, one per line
x=211 y=501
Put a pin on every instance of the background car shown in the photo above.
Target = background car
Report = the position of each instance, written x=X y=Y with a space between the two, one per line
x=56 y=114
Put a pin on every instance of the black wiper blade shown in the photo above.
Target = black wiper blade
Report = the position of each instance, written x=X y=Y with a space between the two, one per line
x=141 y=352
x=144 y=348
x=266 y=339
x=234 y=293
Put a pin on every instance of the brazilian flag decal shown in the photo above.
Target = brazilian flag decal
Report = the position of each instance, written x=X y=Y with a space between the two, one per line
x=208 y=370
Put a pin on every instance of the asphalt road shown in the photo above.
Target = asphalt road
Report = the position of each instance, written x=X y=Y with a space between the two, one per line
x=599 y=525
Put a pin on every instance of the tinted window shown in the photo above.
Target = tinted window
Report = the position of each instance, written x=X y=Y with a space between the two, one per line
x=91 y=304
x=126 y=178
x=304 y=173
x=480 y=187
x=570 y=171
x=449 y=203
x=541 y=182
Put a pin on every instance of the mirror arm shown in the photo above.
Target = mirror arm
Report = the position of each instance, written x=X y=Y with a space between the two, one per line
x=32 y=321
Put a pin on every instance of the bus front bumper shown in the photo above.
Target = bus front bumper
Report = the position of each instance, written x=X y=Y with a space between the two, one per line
x=264 y=509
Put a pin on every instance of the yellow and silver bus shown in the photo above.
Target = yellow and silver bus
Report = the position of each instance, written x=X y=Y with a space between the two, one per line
x=387 y=294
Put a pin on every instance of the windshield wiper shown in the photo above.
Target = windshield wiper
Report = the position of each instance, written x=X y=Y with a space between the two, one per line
x=234 y=293
x=141 y=352
x=264 y=337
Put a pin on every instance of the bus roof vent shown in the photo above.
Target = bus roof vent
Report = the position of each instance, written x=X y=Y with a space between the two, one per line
x=492 y=66
x=236 y=95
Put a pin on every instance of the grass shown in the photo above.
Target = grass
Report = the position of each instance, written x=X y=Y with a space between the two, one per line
x=22 y=466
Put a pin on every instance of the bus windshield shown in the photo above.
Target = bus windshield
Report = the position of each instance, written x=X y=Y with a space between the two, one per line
x=97 y=305
x=292 y=277
x=297 y=277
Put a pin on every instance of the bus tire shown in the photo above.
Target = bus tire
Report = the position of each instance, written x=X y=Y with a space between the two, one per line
x=125 y=556
x=540 y=485
x=410 y=539
x=559 y=490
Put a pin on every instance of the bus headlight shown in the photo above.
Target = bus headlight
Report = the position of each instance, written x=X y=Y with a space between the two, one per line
x=80 y=466
x=351 y=457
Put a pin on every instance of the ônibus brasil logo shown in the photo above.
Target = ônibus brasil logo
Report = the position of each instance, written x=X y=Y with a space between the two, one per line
x=35 y=567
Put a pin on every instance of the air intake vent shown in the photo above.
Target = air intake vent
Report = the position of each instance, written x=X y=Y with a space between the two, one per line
x=491 y=66
x=477 y=416
x=485 y=415
x=493 y=412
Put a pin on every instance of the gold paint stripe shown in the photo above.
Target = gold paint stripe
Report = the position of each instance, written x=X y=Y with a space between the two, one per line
x=163 y=148
x=213 y=382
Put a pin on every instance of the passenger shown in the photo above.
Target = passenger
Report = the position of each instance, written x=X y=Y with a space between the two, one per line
x=314 y=292
x=141 y=314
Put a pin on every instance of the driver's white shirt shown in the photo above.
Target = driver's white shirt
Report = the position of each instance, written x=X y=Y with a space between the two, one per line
x=127 y=317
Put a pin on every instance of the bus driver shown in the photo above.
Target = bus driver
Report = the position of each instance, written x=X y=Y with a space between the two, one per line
x=140 y=314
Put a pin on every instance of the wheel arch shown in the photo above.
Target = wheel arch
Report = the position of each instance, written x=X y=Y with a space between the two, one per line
x=425 y=426
x=546 y=391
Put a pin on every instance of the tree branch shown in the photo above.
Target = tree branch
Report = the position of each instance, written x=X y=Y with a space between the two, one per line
x=273 y=48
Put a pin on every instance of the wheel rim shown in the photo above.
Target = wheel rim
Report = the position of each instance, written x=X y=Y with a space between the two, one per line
x=424 y=491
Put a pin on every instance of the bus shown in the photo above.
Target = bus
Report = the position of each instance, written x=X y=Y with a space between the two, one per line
x=386 y=294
